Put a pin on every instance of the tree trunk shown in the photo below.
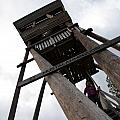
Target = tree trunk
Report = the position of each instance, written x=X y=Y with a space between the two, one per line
x=74 y=103
x=109 y=62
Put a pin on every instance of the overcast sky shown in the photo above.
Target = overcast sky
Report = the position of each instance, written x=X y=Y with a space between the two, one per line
x=102 y=15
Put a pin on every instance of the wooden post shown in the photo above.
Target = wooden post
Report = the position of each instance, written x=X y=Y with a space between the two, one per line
x=74 y=103
x=108 y=61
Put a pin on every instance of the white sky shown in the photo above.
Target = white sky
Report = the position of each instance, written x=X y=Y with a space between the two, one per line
x=102 y=15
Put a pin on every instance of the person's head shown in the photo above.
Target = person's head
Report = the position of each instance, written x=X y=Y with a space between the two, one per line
x=88 y=83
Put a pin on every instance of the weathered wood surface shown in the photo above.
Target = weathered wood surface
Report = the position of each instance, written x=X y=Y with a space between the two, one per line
x=74 y=103
x=109 y=62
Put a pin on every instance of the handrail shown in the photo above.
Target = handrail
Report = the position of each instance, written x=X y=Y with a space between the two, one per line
x=113 y=97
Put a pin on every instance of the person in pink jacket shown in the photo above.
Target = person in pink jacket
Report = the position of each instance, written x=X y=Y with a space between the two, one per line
x=92 y=93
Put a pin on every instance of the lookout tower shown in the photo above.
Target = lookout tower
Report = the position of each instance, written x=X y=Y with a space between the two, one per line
x=48 y=31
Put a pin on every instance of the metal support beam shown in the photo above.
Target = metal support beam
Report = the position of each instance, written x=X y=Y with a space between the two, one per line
x=17 y=90
x=21 y=64
x=37 y=109
x=69 y=61
x=102 y=39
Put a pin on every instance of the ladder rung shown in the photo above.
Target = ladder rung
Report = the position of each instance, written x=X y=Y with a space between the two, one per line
x=23 y=63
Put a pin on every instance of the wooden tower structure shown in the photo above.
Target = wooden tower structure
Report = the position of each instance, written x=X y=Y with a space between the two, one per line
x=56 y=45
